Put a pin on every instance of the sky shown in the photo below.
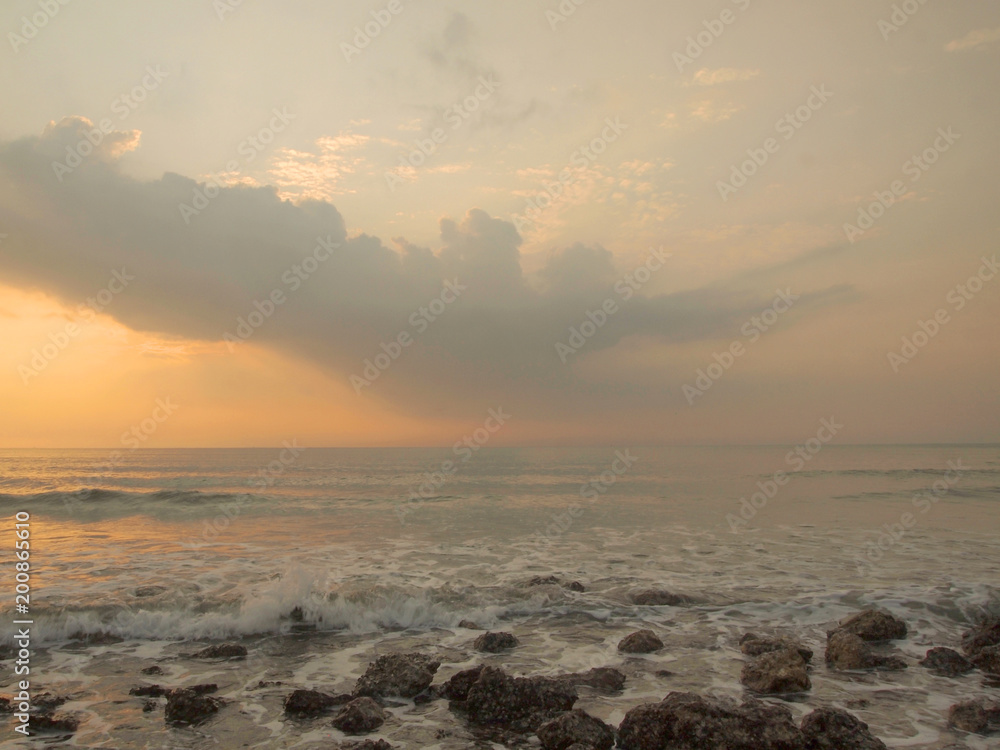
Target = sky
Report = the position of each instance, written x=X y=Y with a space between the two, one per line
x=232 y=223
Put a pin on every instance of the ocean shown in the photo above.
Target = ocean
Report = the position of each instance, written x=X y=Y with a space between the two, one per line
x=318 y=560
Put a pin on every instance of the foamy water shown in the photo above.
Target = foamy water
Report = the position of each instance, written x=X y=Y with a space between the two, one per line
x=170 y=547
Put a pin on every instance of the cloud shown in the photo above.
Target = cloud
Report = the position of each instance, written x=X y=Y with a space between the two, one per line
x=496 y=344
x=973 y=39
x=706 y=77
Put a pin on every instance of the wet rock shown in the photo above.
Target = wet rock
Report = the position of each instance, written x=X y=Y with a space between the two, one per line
x=144 y=592
x=576 y=586
x=658 y=598
x=148 y=706
x=752 y=644
x=847 y=651
x=776 y=672
x=640 y=642
x=6 y=707
x=988 y=659
x=206 y=687
x=543 y=581
x=526 y=702
x=312 y=702
x=457 y=687
x=366 y=745
x=835 y=729
x=261 y=684
x=47 y=722
x=397 y=675
x=469 y=625
x=151 y=670
x=576 y=727
x=47 y=701
x=149 y=691
x=428 y=696
x=873 y=625
x=946 y=662
x=686 y=721
x=980 y=716
x=360 y=716
x=982 y=635
x=96 y=639
x=494 y=643
x=296 y=615
x=222 y=651
x=188 y=707
x=604 y=679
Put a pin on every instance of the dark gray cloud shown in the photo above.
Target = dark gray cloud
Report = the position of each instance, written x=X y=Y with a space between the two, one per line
x=194 y=278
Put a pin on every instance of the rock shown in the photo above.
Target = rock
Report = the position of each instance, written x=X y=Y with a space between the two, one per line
x=366 y=745
x=605 y=679
x=874 y=625
x=469 y=625
x=776 y=672
x=312 y=702
x=6 y=707
x=755 y=645
x=988 y=659
x=640 y=642
x=576 y=586
x=47 y=722
x=222 y=651
x=457 y=687
x=148 y=691
x=188 y=707
x=397 y=675
x=144 y=592
x=847 y=651
x=207 y=687
x=543 y=581
x=96 y=639
x=360 y=716
x=946 y=662
x=494 y=643
x=151 y=670
x=47 y=701
x=655 y=598
x=576 y=727
x=982 y=635
x=981 y=716
x=686 y=721
x=148 y=706
x=498 y=698
x=834 y=729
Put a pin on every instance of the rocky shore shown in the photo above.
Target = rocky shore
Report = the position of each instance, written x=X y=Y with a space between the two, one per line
x=496 y=706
